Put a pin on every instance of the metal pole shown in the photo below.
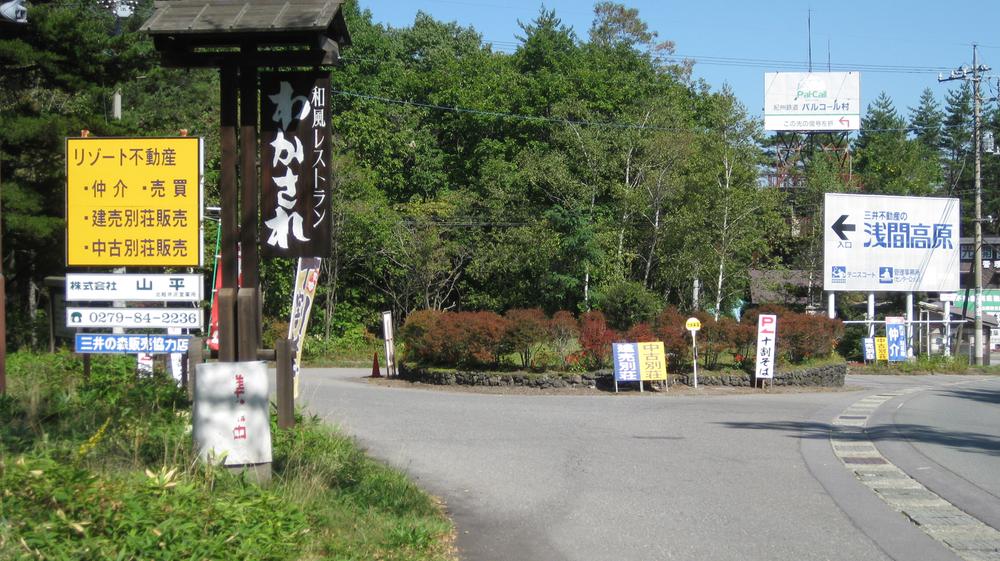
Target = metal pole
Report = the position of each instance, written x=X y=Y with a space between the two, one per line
x=871 y=314
x=979 y=204
x=831 y=305
x=694 y=342
x=909 y=324
x=947 y=328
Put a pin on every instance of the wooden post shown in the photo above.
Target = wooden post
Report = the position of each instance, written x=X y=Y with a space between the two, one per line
x=286 y=401
x=229 y=218
x=196 y=355
x=249 y=193
x=246 y=312
x=86 y=368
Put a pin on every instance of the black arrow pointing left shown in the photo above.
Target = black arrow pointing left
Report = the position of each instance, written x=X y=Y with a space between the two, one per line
x=839 y=227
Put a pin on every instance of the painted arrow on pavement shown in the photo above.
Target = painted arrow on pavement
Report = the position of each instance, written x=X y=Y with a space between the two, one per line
x=839 y=227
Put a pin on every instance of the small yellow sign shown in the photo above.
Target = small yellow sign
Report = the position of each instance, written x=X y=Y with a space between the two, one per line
x=881 y=348
x=692 y=324
x=652 y=361
x=133 y=201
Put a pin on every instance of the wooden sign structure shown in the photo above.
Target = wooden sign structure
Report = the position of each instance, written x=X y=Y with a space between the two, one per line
x=239 y=38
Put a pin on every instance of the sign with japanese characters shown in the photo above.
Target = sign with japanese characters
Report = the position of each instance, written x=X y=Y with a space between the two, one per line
x=107 y=287
x=230 y=415
x=767 y=333
x=133 y=318
x=881 y=349
x=133 y=202
x=895 y=336
x=868 y=348
x=812 y=101
x=113 y=343
x=295 y=164
x=636 y=362
x=882 y=243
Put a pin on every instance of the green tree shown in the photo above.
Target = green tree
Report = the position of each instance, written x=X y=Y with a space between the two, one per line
x=887 y=161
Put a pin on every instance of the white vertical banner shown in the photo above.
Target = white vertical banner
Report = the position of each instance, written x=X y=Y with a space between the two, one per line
x=176 y=359
x=390 y=344
x=306 y=278
x=231 y=413
x=767 y=332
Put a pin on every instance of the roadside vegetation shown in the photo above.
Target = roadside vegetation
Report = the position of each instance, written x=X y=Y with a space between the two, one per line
x=104 y=469
x=530 y=340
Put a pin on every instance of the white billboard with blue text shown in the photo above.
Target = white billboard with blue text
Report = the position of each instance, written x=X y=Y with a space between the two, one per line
x=883 y=243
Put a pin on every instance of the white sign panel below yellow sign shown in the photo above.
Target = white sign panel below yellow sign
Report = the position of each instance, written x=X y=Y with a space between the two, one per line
x=133 y=201
x=135 y=318
x=812 y=101
x=108 y=287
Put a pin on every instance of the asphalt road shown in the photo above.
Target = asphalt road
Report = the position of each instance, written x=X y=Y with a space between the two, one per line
x=640 y=477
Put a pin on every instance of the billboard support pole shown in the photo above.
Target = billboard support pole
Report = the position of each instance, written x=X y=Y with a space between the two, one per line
x=871 y=314
x=947 y=328
x=909 y=324
x=831 y=305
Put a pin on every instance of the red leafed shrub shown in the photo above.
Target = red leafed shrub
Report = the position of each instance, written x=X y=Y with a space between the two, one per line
x=453 y=338
x=640 y=333
x=669 y=328
x=595 y=340
x=527 y=330
x=478 y=337
x=741 y=337
x=421 y=336
x=802 y=336
x=563 y=330
x=712 y=339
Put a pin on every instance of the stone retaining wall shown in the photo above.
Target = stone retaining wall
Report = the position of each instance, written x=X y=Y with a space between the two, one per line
x=827 y=375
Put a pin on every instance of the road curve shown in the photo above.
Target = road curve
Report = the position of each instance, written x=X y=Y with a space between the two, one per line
x=628 y=477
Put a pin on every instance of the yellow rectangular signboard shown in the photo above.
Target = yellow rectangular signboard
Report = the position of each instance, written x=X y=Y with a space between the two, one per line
x=134 y=202
x=652 y=361
x=881 y=348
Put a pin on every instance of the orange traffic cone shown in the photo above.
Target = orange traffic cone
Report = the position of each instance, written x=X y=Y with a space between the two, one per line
x=375 y=370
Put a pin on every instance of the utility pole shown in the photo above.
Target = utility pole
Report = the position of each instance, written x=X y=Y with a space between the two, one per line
x=965 y=73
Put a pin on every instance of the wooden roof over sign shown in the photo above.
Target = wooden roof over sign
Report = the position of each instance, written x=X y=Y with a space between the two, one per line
x=192 y=32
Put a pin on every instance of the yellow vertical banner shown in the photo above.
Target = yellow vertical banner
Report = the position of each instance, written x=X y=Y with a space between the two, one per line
x=133 y=201
x=652 y=361
x=881 y=348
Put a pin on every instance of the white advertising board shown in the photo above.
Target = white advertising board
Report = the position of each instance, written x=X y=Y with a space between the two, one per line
x=882 y=243
x=812 y=101
x=767 y=333
x=108 y=287
x=230 y=418
x=134 y=318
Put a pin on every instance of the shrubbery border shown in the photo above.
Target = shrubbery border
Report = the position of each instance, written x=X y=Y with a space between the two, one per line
x=825 y=375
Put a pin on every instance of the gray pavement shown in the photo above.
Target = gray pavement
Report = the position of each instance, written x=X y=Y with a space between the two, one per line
x=628 y=477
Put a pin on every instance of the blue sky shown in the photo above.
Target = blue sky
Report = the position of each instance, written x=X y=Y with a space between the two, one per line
x=899 y=47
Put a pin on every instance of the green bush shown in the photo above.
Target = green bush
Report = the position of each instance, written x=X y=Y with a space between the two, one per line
x=627 y=303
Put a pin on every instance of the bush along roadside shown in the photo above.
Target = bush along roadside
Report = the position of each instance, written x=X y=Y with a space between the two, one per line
x=104 y=469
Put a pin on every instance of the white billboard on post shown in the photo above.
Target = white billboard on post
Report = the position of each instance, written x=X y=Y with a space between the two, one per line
x=883 y=243
x=812 y=101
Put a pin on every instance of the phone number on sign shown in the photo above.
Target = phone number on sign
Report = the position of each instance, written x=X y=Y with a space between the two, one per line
x=173 y=318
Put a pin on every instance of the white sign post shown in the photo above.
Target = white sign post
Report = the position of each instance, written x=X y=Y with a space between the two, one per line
x=881 y=243
x=693 y=325
x=390 y=345
x=812 y=101
x=767 y=332
x=230 y=417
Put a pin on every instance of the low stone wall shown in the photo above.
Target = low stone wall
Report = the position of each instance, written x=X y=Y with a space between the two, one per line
x=827 y=375
x=831 y=375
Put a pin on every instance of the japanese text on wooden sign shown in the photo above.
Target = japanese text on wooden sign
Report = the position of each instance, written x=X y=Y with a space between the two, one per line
x=767 y=332
x=231 y=413
x=133 y=201
x=295 y=164
x=636 y=362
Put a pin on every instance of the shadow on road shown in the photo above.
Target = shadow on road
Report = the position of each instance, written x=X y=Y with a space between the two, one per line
x=968 y=441
x=985 y=396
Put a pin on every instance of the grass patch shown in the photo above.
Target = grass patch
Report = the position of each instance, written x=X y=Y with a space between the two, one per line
x=925 y=364
x=104 y=469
